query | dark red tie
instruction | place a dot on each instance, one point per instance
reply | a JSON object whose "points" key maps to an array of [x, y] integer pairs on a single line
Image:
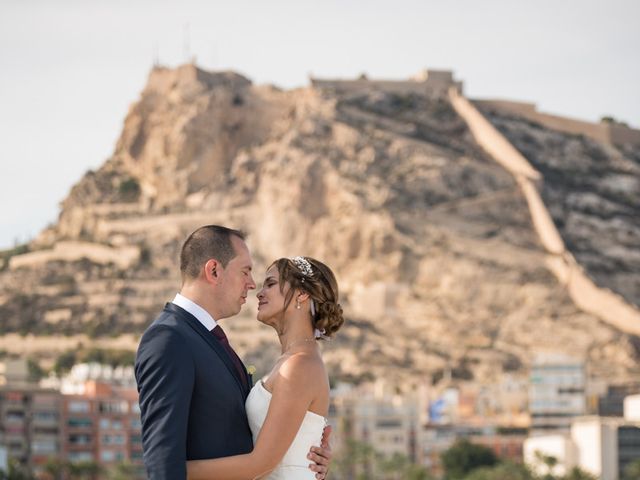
{"points": [[222, 338]]}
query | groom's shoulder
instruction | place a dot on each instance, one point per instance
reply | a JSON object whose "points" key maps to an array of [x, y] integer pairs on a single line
{"points": [[171, 316], [169, 321], [168, 332]]}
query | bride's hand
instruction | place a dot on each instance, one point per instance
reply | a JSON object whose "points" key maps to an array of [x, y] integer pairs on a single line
{"points": [[321, 455]]}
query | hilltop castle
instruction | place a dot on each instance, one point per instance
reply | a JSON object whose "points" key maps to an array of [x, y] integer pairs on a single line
{"points": [[436, 83]]}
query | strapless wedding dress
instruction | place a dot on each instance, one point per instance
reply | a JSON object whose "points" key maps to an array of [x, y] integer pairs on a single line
{"points": [[295, 464]]}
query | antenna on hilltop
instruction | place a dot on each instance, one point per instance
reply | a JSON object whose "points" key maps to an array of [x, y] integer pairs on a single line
{"points": [[185, 46], [156, 55], [214, 56]]}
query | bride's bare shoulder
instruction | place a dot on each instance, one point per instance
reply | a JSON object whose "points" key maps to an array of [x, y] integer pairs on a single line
{"points": [[301, 368]]}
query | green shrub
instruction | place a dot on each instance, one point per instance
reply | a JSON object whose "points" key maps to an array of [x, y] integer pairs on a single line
{"points": [[129, 189]]}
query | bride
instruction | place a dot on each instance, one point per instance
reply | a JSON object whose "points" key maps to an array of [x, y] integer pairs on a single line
{"points": [[287, 409]]}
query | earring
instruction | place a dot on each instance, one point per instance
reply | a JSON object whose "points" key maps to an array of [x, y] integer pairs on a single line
{"points": [[297, 304]]}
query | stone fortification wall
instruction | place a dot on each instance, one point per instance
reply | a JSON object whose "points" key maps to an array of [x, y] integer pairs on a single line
{"points": [[603, 303], [622, 135], [436, 82], [358, 85], [601, 132]]}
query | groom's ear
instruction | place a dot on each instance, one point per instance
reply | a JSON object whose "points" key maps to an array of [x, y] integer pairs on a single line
{"points": [[211, 270]]}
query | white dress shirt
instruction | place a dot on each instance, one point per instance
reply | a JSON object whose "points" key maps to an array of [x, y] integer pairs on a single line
{"points": [[196, 310]]}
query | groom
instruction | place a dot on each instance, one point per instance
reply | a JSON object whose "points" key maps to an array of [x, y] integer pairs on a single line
{"points": [[192, 385]]}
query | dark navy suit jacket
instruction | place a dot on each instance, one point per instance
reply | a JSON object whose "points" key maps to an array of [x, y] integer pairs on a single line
{"points": [[191, 399]]}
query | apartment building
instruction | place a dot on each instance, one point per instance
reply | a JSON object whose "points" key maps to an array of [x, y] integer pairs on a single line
{"points": [[103, 425], [30, 425]]}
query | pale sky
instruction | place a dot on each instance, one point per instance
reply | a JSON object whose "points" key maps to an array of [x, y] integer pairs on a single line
{"points": [[69, 69]]}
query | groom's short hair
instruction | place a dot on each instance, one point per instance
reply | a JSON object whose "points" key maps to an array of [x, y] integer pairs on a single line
{"points": [[210, 241]]}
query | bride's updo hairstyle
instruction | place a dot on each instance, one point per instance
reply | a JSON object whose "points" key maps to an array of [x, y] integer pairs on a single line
{"points": [[316, 279]]}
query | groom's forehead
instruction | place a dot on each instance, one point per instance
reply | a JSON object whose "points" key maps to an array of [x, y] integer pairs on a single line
{"points": [[240, 248]]}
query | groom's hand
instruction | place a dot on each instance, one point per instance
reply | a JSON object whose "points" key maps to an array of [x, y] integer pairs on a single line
{"points": [[321, 455]]}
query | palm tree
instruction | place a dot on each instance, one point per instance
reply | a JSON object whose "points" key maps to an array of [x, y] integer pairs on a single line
{"points": [[548, 461]]}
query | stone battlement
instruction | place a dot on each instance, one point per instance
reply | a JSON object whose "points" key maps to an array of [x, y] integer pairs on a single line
{"points": [[431, 82], [613, 133]]}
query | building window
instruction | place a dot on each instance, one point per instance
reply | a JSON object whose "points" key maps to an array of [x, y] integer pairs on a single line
{"points": [[107, 455], [80, 457], [14, 416], [44, 446], [113, 407], [78, 406], [45, 416], [136, 455], [79, 422], [113, 439], [79, 439]]}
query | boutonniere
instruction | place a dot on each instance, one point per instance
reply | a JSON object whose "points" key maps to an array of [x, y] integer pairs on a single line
{"points": [[251, 369]]}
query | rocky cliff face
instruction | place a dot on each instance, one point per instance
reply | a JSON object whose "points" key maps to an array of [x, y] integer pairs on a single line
{"points": [[431, 240]]}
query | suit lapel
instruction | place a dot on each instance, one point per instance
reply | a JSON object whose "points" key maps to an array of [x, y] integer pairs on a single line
{"points": [[208, 337]]}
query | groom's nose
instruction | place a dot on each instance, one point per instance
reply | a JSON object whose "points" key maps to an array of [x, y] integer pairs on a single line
{"points": [[251, 284]]}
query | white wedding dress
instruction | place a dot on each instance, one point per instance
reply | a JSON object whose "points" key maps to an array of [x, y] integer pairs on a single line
{"points": [[295, 464]]}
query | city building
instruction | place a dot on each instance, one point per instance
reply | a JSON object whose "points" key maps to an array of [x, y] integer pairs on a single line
{"points": [[14, 371], [611, 403], [4, 460], [30, 425], [420, 425], [631, 408], [556, 392], [98, 422], [375, 416], [102, 425], [606, 445], [602, 446], [76, 381]]}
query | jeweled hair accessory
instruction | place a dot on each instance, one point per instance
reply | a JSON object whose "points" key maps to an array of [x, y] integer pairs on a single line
{"points": [[303, 265], [320, 334], [305, 268]]}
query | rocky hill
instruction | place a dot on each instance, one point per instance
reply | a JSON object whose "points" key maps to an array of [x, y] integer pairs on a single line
{"points": [[432, 240]]}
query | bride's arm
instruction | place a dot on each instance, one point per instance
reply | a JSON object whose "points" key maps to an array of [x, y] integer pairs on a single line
{"points": [[294, 389]]}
